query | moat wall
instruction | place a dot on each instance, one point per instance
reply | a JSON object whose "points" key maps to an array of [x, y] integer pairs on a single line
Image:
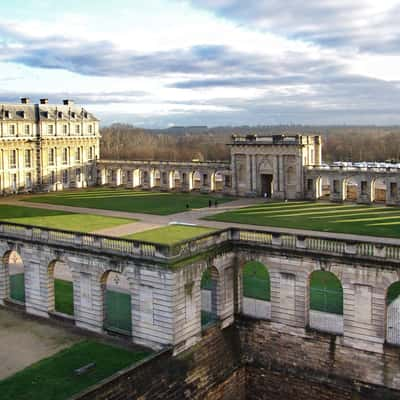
{"points": [[211, 370], [287, 364], [259, 360]]}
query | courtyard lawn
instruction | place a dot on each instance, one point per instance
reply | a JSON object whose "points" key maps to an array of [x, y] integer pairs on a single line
{"points": [[58, 219], [54, 379], [171, 234], [326, 217], [128, 200]]}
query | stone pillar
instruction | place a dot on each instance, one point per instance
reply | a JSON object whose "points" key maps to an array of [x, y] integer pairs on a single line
{"points": [[254, 174], [337, 188], [249, 175], [118, 177], [318, 150], [88, 300], [365, 190], [234, 188], [36, 283]]}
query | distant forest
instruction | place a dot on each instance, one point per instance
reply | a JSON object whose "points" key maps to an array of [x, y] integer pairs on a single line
{"points": [[344, 143]]}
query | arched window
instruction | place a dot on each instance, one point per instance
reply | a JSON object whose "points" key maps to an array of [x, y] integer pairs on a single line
{"points": [[61, 289], [209, 296], [16, 273], [326, 302], [117, 303], [256, 290], [393, 314]]}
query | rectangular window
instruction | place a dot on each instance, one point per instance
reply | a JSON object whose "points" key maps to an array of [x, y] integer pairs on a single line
{"points": [[52, 177], [27, 130], [11, 130], [51, 157], [50, 129], [309, 184], [77, 129], [363, 187], [28, 158], [335, 186], [90, 129], [65, 155], [13, 158], [78, 154], [393, 189], [78, 174], [65, 129], [65, 177], [90, 153]]}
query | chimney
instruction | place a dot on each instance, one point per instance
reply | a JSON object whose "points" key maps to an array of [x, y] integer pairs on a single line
{"points": [[25, 100], [68, 102], [44, 101]]}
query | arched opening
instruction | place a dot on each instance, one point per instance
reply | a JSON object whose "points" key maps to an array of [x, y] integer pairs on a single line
{"points": [[136, 178], [209, 296], [16, 273], [61, 288], [351, 189], [380, 190], [116, 303], [155, 178], [326, 302], [325, 186], [194, 180], [393, 314], [174, 180], [217, 182], [256, 289]]}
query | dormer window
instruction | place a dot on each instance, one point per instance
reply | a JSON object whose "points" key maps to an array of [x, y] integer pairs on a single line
{"points": [[73, 115], [8, 114], [60, 114], [23, 115], [11, 129], [46, 114], [85, 114]]}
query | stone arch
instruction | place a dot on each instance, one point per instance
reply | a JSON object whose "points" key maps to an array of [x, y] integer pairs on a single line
{"points": [[117, 302], [155, 178], [256, 290], [325, 302], [194, 180], [14, 283], [380, 189], [60, 288], [351, 188], [174, 179], [137, 179], [217, 181], [393, 313], [210, 296]]}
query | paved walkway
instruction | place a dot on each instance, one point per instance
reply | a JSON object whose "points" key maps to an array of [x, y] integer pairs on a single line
{"points": [[150, 221]]}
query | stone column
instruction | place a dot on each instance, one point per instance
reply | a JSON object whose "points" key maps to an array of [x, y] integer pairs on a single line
{"points": [[366, 190], [254, 174], [118, 177]]}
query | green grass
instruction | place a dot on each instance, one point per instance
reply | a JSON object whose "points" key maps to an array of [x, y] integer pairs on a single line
{"points": [[53, 378], [326, 217], [64, 296], [118, 311], [128, 200], [393, 292], [17, 287], [326, 293], [171, 234], [58, 219], [256, 282]]}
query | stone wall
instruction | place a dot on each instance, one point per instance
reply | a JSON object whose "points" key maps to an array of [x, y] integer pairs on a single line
{"points": [[283, 363], [210, 370]]}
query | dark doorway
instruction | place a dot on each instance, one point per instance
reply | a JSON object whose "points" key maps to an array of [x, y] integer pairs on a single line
{"points": [[266, 185]]}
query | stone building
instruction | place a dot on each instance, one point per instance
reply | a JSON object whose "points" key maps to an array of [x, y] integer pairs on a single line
{"points": [[47, 147], [272, 166]]}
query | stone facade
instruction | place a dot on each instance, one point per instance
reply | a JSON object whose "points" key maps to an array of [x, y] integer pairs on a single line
{"points": [[47, 147], [272, 166]]}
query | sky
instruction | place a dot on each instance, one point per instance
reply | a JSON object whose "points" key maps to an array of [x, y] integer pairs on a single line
{"points": [[159, 63]]}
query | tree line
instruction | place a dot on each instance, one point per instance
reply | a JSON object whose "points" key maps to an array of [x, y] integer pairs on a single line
{"points": [[352, 143]]}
